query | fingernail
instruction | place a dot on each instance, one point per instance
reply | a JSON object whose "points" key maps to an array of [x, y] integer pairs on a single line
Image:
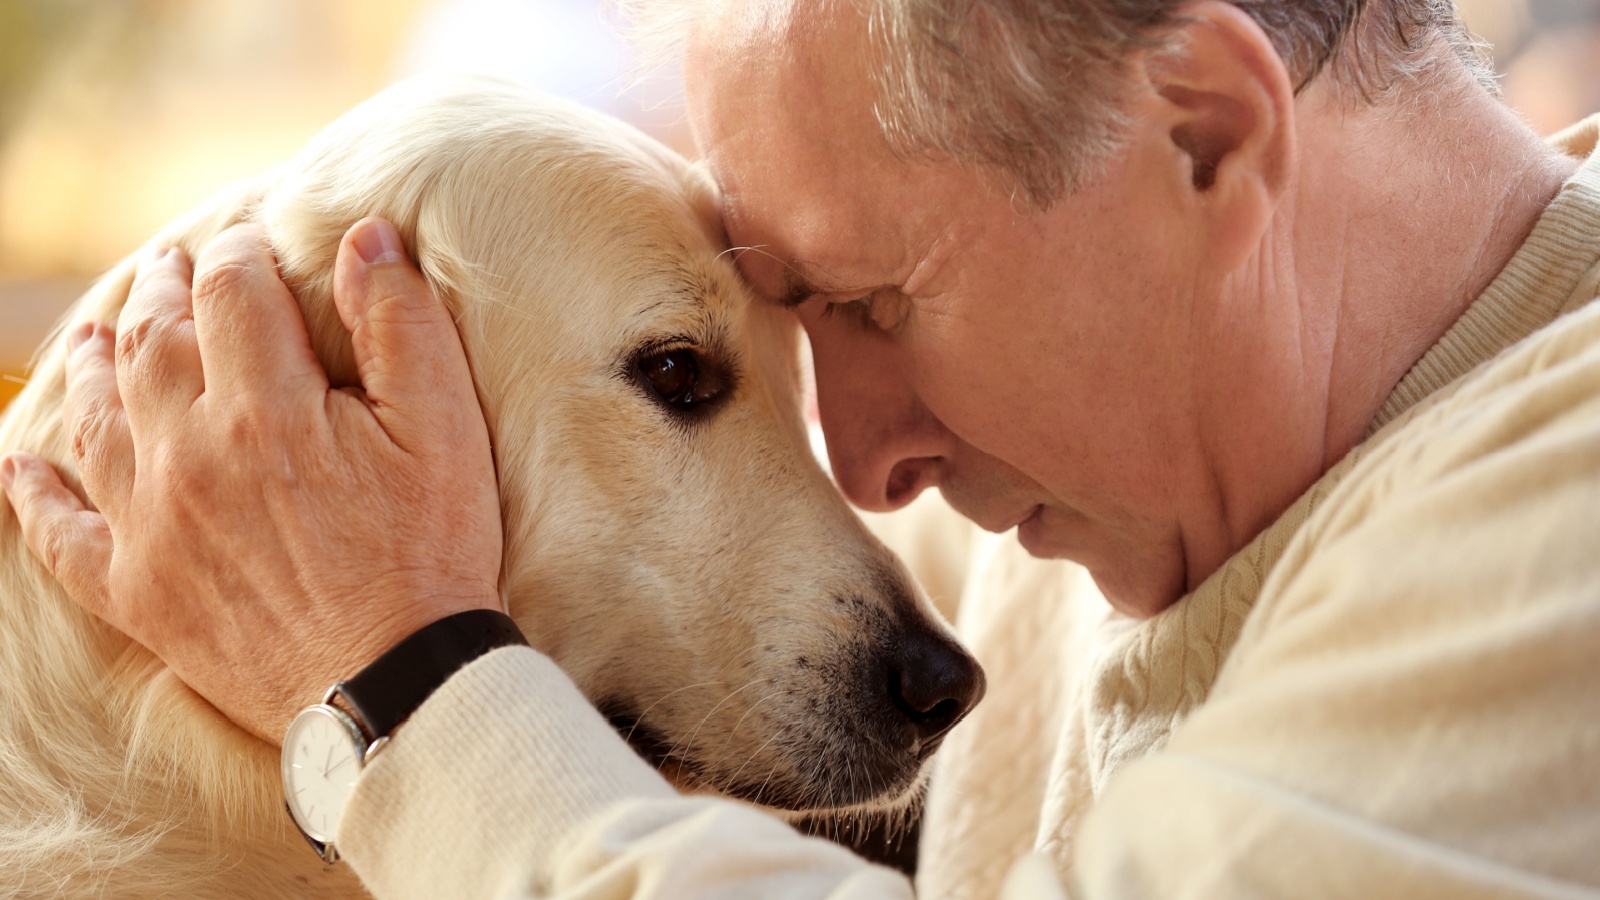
{"points": [[8, 472], [378, 242], [78, 335]]}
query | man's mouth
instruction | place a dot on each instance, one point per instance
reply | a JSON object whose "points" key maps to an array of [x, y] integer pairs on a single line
{"points": [[1022, 518]]}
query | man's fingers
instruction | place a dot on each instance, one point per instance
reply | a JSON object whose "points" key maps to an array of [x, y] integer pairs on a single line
{"points": [[95, 421], [74, 543], [252, 337], [158, 366], [407, 349]]}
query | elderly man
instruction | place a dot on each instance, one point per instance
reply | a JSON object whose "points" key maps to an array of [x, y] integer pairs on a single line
{"points": [[1266, 313]]}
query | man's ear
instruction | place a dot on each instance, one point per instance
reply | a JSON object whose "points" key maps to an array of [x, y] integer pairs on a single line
{"points": [[1228, 108]]}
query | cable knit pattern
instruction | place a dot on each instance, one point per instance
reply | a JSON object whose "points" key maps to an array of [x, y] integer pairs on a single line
{"points": [[1145, 681], [994, 768], [1160, 671]]}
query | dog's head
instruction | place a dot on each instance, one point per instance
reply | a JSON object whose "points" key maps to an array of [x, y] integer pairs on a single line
{"points": [[670, 541]]}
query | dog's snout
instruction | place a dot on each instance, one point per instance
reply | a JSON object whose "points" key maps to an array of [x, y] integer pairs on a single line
{"points": [[933, 683]]}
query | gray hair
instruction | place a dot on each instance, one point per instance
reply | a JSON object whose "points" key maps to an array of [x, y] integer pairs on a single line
{"points": [[1033, 90]]}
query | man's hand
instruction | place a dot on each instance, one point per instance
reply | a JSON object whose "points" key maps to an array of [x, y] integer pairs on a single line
{"points": [[264, 535]]}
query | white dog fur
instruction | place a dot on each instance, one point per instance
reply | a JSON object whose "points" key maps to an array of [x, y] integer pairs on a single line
{"points": [[702, 578]]}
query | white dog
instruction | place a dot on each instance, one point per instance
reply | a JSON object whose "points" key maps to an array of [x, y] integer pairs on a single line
{"points": [[669, 539]]}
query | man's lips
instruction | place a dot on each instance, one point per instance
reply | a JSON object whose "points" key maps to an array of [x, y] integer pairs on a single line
{"points": [[1020, 518]]}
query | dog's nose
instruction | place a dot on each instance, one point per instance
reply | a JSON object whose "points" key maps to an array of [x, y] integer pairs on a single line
{"points": [[933, 683]]}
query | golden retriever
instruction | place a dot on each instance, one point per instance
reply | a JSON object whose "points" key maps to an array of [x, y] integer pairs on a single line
{"points": [[670, 540]]}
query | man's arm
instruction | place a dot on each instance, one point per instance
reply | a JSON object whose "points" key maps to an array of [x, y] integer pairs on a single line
{"points": [[507, 783]]}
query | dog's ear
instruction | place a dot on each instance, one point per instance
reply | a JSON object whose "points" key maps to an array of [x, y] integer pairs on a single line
{"points": [[306, 215], [306, 238], [374, 161]]}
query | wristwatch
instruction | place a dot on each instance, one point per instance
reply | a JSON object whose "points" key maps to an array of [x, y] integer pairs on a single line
{"points": [[326, 747]]}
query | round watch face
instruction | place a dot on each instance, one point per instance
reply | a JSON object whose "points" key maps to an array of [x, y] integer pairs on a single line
{"points": [[321, 759]]}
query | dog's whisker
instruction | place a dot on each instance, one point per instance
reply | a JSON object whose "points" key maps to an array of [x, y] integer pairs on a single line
{"points": [[760, 248], [753, 706], [734, 779], [763, 789], [688, 742], [720, 753], [640, 718]]}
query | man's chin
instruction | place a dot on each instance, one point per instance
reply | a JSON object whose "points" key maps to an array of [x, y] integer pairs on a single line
{"points": [[1135, 597], [1041, 540], [1032, 538], [1136, 590]]}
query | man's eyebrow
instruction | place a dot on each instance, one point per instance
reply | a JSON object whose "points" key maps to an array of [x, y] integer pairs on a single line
{"points": [[795, 292], [797, 286]]}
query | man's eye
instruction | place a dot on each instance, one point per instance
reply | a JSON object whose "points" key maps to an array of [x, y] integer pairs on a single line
{"points": [[856, 312]]}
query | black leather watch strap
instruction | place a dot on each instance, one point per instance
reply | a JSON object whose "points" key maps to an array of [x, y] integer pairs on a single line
{"points": [[384, 693]]}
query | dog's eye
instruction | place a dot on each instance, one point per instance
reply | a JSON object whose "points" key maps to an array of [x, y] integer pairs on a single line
{"points": [[675, 377]]}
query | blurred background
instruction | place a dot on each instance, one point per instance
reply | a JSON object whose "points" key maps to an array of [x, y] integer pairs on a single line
{"points": [[118, 115]]}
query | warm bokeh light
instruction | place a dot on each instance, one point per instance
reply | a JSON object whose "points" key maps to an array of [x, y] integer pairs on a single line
{"points": [[117, 116]]}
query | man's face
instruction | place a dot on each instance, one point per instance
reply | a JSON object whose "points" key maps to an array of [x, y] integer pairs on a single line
{"points": [[1035, 367]]}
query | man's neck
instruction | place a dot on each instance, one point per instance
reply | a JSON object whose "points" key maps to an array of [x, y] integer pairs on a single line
{"points": [[1449, 191], [1396, 221]]}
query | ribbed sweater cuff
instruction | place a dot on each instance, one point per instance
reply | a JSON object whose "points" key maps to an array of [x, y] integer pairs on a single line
{"points": [[486, 781]]}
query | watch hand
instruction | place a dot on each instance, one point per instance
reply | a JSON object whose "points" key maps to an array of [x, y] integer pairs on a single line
{"points": [[326, 762], [336, 768]]}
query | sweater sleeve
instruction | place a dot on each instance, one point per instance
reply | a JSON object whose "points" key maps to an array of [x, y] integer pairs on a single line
{"points": [[506, 783], [1413, 709]]}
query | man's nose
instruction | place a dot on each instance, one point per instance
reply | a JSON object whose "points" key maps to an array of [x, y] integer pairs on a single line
{"points": [[884, 445]]}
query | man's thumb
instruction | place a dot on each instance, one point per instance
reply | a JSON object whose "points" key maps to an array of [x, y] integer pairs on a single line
{"points": [[407, 349]]}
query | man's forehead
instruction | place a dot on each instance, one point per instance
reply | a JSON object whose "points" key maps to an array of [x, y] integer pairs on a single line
{"points": [[785, 231], [759, 38], [790, 139], [739, 26]]}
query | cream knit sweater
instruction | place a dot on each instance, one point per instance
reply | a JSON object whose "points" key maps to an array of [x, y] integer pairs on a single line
{"points": [[1393, 691]]}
